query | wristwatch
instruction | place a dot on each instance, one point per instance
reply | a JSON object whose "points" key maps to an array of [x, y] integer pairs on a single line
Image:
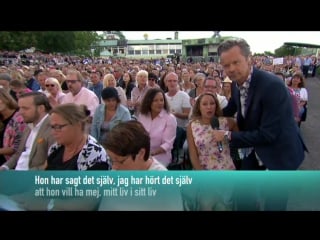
{"points": [[227, 135], [50, 205]]}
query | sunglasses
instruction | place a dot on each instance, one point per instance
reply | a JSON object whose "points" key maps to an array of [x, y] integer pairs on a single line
{"points": [[50, 85]]}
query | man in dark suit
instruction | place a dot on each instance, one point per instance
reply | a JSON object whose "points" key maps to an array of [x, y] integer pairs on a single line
{"points": [[268, 136]]}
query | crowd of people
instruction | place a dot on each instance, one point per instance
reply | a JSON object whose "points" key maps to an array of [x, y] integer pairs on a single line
{"points": [[62, 114]]}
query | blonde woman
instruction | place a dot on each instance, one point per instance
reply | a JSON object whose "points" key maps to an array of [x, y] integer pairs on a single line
{"points": [[139, 91], [195, 92], [58, 74], [187, 85], [110, 81], [54, 91], [74, 149]]}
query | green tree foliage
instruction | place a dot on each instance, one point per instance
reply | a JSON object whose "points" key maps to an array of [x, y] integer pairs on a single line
{"points": [[120, 34], [56, 41], [286, 50], [49, 41], [268, 53], [84, 40], [16, 40]]}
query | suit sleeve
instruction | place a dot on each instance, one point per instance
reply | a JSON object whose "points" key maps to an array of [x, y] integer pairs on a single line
{"points": [[268, 119], [230, 109]]}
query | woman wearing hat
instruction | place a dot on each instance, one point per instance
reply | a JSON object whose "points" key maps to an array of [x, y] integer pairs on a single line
{"points": [[108, 114], [226, 88]]}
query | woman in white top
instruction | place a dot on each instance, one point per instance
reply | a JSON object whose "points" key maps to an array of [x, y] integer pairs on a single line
{"points": [[298, 86]]}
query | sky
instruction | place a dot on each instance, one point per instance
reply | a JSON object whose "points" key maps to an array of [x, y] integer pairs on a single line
{"points": [[259, 41]]}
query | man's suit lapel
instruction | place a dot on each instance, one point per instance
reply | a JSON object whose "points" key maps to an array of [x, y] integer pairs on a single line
{"points": [[39, 138], [251, 92], [236, 95]]}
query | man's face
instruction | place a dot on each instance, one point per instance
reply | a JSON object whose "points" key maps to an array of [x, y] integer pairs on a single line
{"points": [[236, 66], [210, 86], [95, 78], [74, 85], [4, 84], [28, 109]]}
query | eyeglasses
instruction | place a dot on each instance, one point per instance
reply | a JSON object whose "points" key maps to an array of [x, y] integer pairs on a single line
{"points": [[50, 85], [172, 80], [71, 81], [58, 127], [210, 86], [121, 161]]}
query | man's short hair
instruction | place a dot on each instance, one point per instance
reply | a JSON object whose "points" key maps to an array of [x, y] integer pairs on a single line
{"points": [[5, 76]]}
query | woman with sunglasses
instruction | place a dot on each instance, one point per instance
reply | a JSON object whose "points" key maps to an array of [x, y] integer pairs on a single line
{"points": [[54, 91]]}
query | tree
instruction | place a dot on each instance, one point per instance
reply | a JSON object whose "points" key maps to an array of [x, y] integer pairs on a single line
{"points": [[120, 35], [56, 41], [267, 53], [286, 50], [16, 40], [49, 41], [84, 41]]}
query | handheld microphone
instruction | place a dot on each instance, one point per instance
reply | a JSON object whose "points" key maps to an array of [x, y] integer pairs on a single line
{"points": [[215, 125]]}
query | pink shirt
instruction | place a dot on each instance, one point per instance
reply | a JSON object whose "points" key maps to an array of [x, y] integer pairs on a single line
{"points": [[162, 130], [84, 96]]}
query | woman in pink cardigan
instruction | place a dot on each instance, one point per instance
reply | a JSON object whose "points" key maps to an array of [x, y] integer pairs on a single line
{"points": [[156, 118]]}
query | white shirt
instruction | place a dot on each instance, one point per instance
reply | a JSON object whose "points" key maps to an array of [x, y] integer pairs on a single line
{"points": [[177, 103], [157, 166], [23, 161], [223, 101]]}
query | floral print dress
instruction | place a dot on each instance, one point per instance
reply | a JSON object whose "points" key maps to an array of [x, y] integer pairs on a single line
{"points": [[209, 156]]}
